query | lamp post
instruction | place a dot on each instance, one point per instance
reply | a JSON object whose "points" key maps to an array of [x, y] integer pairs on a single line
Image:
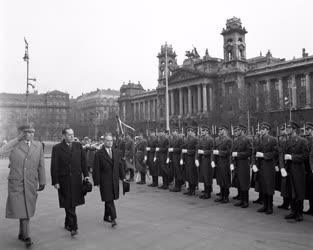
{"points": [[166, 91], [26, 59]]}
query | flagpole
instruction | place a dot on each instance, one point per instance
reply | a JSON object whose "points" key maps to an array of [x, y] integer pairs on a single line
{"points": [[166, 90]]}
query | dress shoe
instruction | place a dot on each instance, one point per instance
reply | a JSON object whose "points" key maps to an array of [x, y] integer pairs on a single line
{"points": [[28, 242], [113, 223], [269, 211], [165, 187], [238, 204], [245, 204], [130, 180], [225, 200], [175, 189], [152, 185], [141, 182], [237, 197], [290, 216], [219, 194], [283, 206], [74, 232], [21, 237], [262, 210], [190, 193], [299, 217], [67, 228], [205, 196], [218, 199], [107, 219], [309, 212]]}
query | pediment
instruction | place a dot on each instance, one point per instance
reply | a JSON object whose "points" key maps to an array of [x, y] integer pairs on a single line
{"points": [[184, 75]]}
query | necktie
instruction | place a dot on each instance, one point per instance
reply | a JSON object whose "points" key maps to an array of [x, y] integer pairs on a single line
{"points": [[110, 152]]}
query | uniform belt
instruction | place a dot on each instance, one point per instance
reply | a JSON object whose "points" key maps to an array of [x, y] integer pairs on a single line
{"points": [[176, 150], [163, 150], [191, 151], [205, 152], [139, 151]]}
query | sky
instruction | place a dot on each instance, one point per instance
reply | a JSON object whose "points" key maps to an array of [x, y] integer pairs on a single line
{"points": [[77, 46]]}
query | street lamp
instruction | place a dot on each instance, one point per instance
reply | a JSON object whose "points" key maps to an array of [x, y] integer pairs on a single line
{"points": [[26, 59], [166, 91]]}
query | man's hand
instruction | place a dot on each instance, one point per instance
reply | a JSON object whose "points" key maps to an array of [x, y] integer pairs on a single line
{"points": [[197, 163], [86, 178], [259, 154], [157, 149], [232, 167], [255, 168], [276, 168], [234, 154], [213, 164], [283, 172], [184, 151], [170, 150], [200, 152], [41, 187], [288, 157], [57, 186], [181, 162], [216, 152]]}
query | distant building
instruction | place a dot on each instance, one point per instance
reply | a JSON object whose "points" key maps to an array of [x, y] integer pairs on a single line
{"points": [[229, 90], [48, 112], [94, 113]]}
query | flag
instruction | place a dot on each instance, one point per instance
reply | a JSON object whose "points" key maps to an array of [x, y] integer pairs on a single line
{"points": [[120, 124]]}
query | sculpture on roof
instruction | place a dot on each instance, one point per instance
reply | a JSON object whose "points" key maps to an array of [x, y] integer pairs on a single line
{"points": [[193, 54]]}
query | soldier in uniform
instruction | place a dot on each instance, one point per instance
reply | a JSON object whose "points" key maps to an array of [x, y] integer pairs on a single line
{"points": [[129, 157], [189, 153], [203, 161], [140, 152], [221, 159], [295, 153], [309, 168], [149, 158], [176, 143], [266, 153], [241, 152], [161, 156]]}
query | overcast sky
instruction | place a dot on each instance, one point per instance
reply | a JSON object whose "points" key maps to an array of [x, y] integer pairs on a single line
{"points": [[79, 45]]}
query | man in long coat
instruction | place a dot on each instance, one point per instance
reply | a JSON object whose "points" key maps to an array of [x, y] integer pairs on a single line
{"points": [[296, 151], [108, 169], [149, 158], [140, 164], [161, 158], [129, 157], [68, 166], [27, 171]]}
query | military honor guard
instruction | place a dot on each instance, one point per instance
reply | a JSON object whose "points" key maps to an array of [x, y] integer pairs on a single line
{"points": [[140, 152], [161, 157], [309, 168], [150, 157], [130, 157]]}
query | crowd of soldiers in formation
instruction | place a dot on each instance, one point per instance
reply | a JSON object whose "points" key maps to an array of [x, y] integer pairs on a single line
{"points": [[235, 159]]}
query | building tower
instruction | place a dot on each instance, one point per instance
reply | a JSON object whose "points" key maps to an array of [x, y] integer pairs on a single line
{"points": [[171, 60]]}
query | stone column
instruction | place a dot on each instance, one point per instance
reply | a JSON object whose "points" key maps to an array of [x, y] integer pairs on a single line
{"points": [[172, 102], [294, 91], [204, 97], [143, 110], [280, 93], [257, 95], [134, 116], [181, 109], [307, 90], [148, 111], [268, 90], [189, 101], [199, 98], [211, 98]]}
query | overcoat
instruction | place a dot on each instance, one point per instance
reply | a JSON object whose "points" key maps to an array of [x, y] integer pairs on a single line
{"points": [[27, 170], [189, 159], [176, 143], [151, 145], [242, 145], [298, 148], [107, 172], [68, 166], [129, 154], [140, 152], [163, 143], [308, 170]]}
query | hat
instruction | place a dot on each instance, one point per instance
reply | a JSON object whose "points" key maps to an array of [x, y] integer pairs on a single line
{"points": [[126, 187], [266, 125], [175, 130], [223, 126], [242, 127], [293, 125], [204, 128], [190, 129], [27, 128], [308, 125], [283, 126]]}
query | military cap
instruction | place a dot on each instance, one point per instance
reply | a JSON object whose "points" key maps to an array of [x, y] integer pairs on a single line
{"points": [[223, 126], [283, 126], [27, 128], [309, 125], [266, 125], [175, 129], [204, 128], [191, 129], [293, 125]]}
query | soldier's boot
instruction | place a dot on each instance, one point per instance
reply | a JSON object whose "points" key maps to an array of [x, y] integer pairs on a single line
{"points": [[269, 204], [221, 196], [241, 200], [154, 181], [245, 203], [177, 187], [293, 212], [299, 207], [310, 210], [207, 192], [237, 197], [131, 175], [259, 200], [285, 205], [142, 178], [165, 182], [192, 190], [226, 195], [264, 208]]}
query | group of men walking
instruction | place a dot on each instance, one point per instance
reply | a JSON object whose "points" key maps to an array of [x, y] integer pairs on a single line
{"points": [[235, 159]]}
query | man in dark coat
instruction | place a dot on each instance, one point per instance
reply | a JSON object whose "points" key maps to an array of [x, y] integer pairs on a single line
{"points": [[129, 157], [161, 157], [266, 153], [68, 166], [295, 153], [221, 159], [140, 164], [149, 158], [108, 169], [203, 160], [241, 152]]}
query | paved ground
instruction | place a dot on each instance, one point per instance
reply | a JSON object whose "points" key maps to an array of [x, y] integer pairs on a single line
{"points": [[156, 219]]}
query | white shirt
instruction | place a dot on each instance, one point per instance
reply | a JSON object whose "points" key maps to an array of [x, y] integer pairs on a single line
{"points": [[109, 151]]}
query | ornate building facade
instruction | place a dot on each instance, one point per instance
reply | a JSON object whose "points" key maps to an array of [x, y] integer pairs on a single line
{"points": [[94, 113], [48, 112], [229, 90]]}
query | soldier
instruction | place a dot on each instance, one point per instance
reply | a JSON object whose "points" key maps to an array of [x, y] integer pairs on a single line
{"points": [[309, 168], [221, 159], [161, 156], [266, 152], [203, 161], [129, 157], [189, 153], [149, 158], [140, 152], [174, 150], [241, 152], [295, 153], [282, 138]]}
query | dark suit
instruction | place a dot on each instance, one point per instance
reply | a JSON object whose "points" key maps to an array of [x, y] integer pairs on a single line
{"points": [[106, 174], [68, 165]]}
